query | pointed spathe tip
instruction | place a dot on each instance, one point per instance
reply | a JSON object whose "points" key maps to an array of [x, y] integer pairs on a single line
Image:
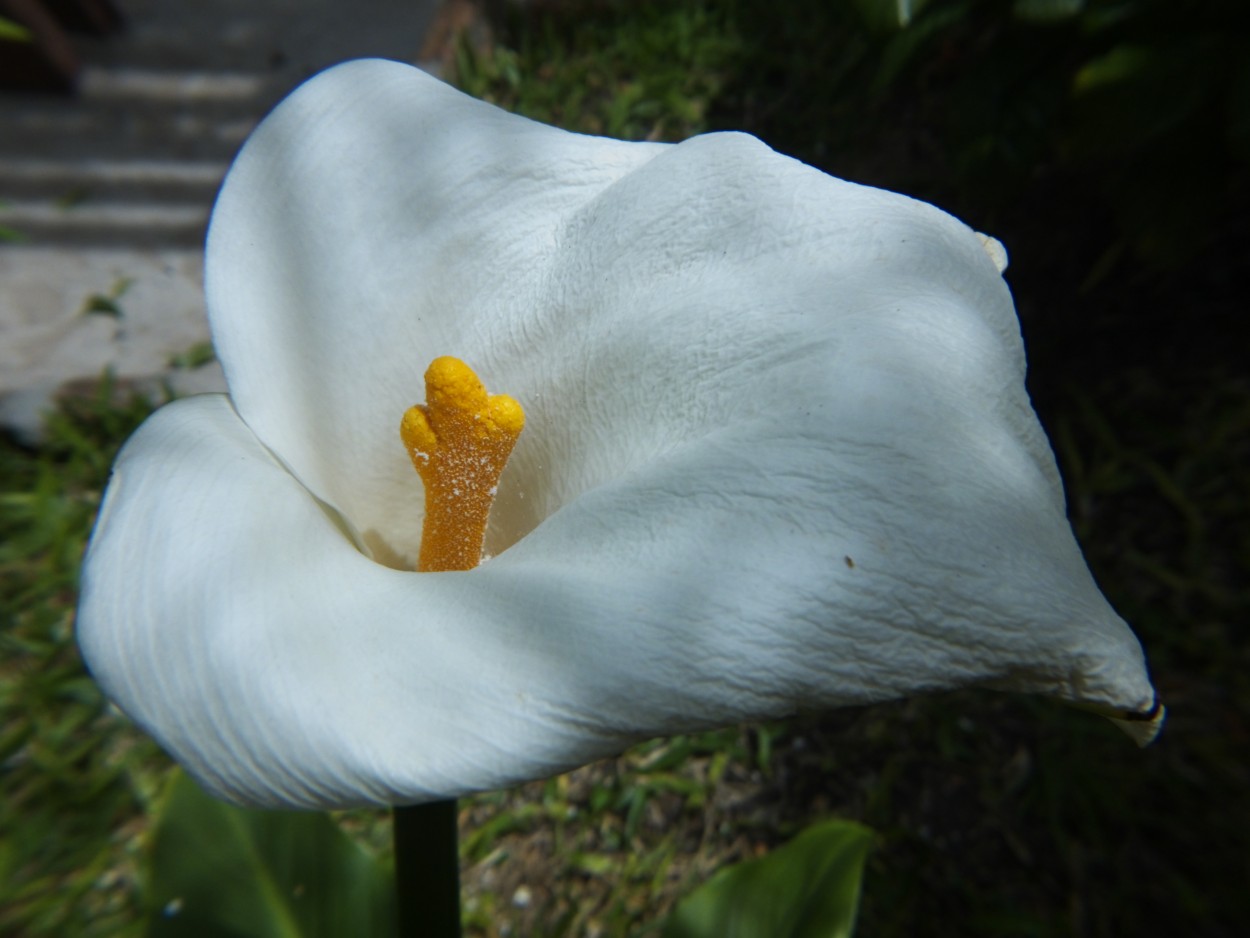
{"points": [[1142, 728]]}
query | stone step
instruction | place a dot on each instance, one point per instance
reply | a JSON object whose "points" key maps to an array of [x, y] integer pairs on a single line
{"points": [[74, 135], [134, 85], [138, 113], [106, 224], [71, 181], [185, 42], [148, 224], [110, 188]]}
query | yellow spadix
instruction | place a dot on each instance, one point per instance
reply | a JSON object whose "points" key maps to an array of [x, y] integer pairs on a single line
{"points": [[459, 441]]}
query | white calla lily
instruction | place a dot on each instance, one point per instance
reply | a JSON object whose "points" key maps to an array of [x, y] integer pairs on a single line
{"points": [[778, 456]]}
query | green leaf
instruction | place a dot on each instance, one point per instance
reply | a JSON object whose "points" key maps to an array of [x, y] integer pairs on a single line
{"points": [[7, 233], [906, 45], [198, 355], [1047, 11], [888, 15], [219, 871], [106, 303], [807, 889], [14, 32]]}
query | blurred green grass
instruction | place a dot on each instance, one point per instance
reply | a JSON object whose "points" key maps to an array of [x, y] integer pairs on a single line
{"points": [[997, 816], [76, 781]]}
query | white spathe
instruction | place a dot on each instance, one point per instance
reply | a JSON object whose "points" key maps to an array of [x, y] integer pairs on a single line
{"points": [[778, 456]]}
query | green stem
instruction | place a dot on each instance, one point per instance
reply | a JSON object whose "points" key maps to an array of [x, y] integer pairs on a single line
{"points": [[427, 870]]}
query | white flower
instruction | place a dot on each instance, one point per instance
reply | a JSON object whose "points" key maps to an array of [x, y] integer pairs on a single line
{"points": [[778, 456]]}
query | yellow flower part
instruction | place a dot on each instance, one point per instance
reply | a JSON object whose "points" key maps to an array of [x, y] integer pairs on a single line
{"points": [[459, 441]]}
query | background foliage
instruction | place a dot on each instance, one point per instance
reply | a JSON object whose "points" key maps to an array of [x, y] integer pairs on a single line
{"points": [[1106, 143]]}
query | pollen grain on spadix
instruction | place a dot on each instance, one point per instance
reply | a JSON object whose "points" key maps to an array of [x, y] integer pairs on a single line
{"points": [[459, 441]]}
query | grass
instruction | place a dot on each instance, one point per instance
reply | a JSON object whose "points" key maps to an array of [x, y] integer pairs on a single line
{"points": [[76, 780], [997, 816], [647, 72]]}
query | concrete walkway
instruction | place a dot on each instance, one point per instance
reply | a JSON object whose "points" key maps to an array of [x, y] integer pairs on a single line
{"points": [[108, 193]]}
